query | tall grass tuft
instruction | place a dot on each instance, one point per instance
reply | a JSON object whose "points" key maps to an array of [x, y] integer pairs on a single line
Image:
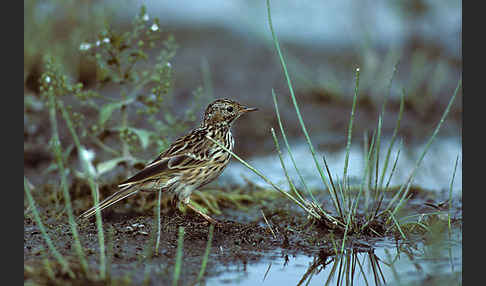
{"points": [[372, 186]]}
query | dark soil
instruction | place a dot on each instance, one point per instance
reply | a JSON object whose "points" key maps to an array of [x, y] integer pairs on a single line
{"points": [[132, 242], [242, 238]]}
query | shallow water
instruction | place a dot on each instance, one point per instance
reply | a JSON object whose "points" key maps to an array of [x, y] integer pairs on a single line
{"points": [[434, 173], [434, 262]]}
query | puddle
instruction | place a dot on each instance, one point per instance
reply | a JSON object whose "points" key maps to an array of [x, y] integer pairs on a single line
{"points": [[434, 173], [437, 262]]}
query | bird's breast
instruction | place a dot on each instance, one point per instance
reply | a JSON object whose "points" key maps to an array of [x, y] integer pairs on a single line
{"points": [[230, 141]]}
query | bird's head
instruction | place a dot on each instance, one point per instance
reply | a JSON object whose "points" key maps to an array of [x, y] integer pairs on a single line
{"points": [[224, 112]]}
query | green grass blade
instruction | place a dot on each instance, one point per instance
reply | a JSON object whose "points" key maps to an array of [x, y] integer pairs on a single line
{"points": [[380, 201], [393, 138], [350, 129], [157, 219], [450, 197], [99, 225], [336, 199], [206, 254], [394, 165], [388, 154], [294, 101], [382, 114], [398, 226], [93, 186], [286, 194], [179, 254], [56, 145], [289, 180], [427, 146], [287, 145], [45, 235], [377, 156]]}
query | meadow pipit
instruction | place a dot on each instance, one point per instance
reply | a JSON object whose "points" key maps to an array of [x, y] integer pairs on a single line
{"points": [[190, 162]]}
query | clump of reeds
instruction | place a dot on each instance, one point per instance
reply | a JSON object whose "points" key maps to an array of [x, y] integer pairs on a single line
{"points": [[348, 217]]}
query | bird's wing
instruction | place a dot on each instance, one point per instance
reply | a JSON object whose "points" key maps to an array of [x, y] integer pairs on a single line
{"points": [[190, 151], [165, 165], [194, 145]]}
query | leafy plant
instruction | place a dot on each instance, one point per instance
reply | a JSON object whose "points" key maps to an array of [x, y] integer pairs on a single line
{"points": [[123, 62]]}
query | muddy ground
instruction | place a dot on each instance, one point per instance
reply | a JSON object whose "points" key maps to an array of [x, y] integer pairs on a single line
{"points": [[243, 238]]}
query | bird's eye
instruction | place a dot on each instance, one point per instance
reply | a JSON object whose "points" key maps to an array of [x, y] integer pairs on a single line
{"points": [[230, 109]]}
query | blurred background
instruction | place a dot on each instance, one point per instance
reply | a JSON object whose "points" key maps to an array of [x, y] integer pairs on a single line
{"points": [[225, 48]]}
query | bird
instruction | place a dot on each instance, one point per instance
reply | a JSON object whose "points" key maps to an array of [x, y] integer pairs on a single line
{"points": [[189, 163]]}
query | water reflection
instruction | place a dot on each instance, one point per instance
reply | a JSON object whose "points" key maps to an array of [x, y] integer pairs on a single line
{"points": [[386, 263]]}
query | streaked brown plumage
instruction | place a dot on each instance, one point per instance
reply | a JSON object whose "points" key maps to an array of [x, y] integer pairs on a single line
{"points": [[190, 162]]}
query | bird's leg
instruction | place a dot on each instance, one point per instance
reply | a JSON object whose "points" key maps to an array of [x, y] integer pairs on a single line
{"points": [[205, 216]]}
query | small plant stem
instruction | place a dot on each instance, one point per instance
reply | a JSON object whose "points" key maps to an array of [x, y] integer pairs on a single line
{"points": [[377, 157], [372, 216], [294, 101], [94, 190], [450, 197], [47, 265], [398, 225], [56, 145], [395, 131], [179, 254], [427, 146], [380, 120], [105, 147], [52, 248], [289, 150], [352, 210], [336, 199], [268, 224], [124, 126], [291, 184], [287, 145], [206, 254], [387, 157], [99, 225], [350, 131], [394, 166], [289, 196], [157, 214]]}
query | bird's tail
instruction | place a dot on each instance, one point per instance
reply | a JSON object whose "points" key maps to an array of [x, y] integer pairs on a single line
{"points": [[114, 198]]}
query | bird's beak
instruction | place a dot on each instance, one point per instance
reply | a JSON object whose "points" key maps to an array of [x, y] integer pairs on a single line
{"points": [[248, 109]]}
